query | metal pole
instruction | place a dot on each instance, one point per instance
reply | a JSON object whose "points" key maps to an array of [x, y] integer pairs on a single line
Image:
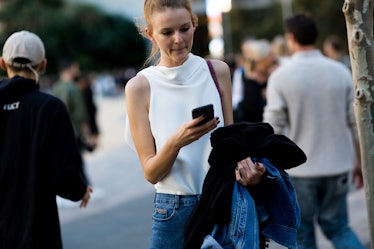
{"points": [[227, 33], [286, 8]]}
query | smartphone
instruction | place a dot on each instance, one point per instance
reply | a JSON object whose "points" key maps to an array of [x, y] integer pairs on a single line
{"points": [[206, 110]]}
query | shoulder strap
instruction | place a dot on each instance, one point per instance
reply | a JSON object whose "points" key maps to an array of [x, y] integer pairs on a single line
{"points": [[214, 76]]}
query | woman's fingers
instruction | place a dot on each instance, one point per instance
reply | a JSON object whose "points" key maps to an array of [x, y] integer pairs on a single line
{"points": [[249, 173]]}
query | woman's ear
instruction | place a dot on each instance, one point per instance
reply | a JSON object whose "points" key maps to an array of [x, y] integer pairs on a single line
{"points": [[148, 32]]}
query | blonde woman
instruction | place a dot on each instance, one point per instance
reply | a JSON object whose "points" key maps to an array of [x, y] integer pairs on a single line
{"points": [[173, 149]]}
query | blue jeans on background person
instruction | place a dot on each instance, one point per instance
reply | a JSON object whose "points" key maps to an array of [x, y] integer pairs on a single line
{"points": [[324, 200], [170, 215]]}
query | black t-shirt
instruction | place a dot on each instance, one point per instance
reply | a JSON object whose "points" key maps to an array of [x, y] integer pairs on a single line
{"points": [[251, 108]]}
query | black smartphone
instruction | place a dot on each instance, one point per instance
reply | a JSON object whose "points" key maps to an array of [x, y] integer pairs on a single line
{"points": [[206, 110]]}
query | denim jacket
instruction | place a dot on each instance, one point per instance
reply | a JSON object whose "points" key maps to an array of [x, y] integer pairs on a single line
{"points": [[242, 232], [277, 207]]}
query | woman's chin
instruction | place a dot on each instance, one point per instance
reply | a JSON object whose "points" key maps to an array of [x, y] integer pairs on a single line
{"points": [[180, 56]]}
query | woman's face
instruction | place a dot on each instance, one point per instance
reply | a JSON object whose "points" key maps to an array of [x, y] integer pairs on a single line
{"points": [[173, 33]]}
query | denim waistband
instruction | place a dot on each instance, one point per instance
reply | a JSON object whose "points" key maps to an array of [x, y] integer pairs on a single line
{"points": [[177, 200]]}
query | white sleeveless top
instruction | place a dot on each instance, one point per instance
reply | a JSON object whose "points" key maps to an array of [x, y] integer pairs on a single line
{"points": [[174, 93]]}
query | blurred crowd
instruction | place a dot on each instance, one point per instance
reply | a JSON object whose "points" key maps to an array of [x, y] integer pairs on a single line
{"points": [[258, 58]]}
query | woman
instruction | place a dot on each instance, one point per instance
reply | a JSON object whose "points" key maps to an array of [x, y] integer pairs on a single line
{"points": [[173, 150], [250, 80]]}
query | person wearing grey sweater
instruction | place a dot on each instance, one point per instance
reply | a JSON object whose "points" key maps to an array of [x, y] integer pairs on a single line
{"points": [[310, 99]]}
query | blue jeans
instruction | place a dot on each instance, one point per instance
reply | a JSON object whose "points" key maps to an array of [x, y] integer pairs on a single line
{"points": [[170, 215], [324, 201]]}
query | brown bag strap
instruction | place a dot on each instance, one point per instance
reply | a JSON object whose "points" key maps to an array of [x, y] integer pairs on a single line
{"points": [[214, 76]]}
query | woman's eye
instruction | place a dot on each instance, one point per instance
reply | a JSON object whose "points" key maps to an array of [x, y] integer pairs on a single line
{"points": [[184, 30], [167, 33]]}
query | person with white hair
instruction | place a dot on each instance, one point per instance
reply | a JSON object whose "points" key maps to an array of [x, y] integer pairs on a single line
{"points": [[249, 81]]}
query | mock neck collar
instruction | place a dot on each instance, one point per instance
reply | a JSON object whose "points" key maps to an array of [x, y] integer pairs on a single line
{"points": [[179, 74]]}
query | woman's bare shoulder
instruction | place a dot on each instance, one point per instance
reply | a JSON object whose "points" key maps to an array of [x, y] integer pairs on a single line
{"points": [[137, 84], [220, 67]]}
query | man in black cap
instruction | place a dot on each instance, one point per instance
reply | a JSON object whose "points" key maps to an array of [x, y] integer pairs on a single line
{"points": [[39, 156]]}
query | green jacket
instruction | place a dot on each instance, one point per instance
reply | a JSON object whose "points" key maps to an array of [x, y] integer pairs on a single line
{"points": [[69, 93]]}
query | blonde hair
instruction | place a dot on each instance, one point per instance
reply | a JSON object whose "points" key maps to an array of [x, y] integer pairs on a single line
{"points": [[150, 6], [279, 46]]}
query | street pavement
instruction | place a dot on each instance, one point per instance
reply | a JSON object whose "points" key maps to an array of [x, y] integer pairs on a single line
{"points": [[119, 214]]}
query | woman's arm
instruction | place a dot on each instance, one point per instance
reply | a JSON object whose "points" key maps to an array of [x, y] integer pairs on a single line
{"points": [[157, 165], [222, 71]]}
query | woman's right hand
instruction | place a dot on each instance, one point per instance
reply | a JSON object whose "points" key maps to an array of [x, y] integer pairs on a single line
{"points": [[190, 131]]}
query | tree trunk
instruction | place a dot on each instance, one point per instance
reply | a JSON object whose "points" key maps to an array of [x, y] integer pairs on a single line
{"points": [[359, 21]]}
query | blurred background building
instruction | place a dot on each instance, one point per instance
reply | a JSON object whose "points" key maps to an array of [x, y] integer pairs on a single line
{"points": [[215, 37], [102, 34], [133, 8]]}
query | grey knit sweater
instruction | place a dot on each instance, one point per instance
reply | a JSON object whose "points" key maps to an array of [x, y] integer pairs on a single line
{"points": [[310, 99]]}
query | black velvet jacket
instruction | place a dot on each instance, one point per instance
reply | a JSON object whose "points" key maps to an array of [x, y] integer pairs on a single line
{"points": [[232, 144]]}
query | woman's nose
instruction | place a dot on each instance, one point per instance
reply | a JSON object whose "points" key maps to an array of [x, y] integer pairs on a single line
{"points": [[178, 37]]}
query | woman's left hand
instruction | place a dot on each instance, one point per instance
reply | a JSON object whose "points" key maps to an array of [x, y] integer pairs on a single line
{"points": [[249, 173]]}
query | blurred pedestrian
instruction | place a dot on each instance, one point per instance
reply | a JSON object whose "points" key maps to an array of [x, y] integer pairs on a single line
{"points": [[250, 80], [172, 147], [310, 98], [39, 155], [334, 48], [68, 92], [84, 85], [279, 49]]}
